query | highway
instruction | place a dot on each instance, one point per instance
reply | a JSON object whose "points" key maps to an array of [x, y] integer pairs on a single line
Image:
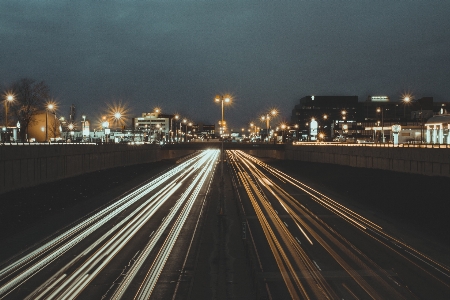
{"points": [[121, 250], [309, 246]]}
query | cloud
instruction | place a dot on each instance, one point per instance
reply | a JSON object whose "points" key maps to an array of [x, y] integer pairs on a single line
{"points": [[179, 54]]}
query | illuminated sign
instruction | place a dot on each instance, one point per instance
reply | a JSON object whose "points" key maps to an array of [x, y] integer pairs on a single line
{"points": [[313, 127], [379, 99], [86, 128], [396, 128]]}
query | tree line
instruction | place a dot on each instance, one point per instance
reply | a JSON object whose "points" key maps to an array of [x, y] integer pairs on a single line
{"points": [[29, 98]]}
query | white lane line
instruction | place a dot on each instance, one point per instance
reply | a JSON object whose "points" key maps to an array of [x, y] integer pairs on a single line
{"points": [[317, 265]]}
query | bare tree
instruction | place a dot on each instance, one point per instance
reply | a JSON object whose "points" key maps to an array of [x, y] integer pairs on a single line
{"points": [[30, 97]]}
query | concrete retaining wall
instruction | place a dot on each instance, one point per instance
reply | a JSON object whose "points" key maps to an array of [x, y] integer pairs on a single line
{"points": [[170, 154], [425, 161], [28, 165]]}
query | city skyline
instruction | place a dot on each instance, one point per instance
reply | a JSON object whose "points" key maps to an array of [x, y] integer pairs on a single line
{"points": [[179, 55]]}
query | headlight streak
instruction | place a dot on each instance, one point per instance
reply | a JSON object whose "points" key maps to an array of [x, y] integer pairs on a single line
{"points": [[109, 249], [147, 207], [155, 270], [116, 243], [274, 245], [44, 255], [281, 193], [159, 232], [328, 203], [315, 281]]}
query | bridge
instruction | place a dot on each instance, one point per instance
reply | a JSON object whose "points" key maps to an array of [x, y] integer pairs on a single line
{"points": [[23, 165]]}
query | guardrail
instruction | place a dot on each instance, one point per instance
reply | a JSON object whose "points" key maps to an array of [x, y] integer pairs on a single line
{"points": [[382, 145]]}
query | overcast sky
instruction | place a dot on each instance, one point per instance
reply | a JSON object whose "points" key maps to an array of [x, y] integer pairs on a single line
{"points": [[179, 54]]}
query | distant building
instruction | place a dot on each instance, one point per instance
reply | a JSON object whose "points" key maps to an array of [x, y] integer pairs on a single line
{"points": [[37, 129], [206, 131], [154, 125], [343, 117], [164, 127], [437, 129], [325, 110]]}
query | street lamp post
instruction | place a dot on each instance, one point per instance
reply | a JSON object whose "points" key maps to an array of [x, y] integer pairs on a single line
{"points": [[9, 98], [70, 127], [266, 118], [190, 125], [222, 99], [176, 131], [283, 127], [382, 122], [50, 106], [185, 125], [406, 100], [84, 125]]}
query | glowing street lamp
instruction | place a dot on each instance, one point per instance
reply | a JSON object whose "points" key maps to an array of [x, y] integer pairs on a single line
{"points": [[176, 117], [184, 121], [9, 98], [406, 100], [267, 118], [283, 127], [379, 109], [50, 107], [221, 99], [190, 125]]}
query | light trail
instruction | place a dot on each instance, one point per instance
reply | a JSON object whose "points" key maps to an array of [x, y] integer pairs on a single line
{"points": [[64, 285], [348, 215], [289, 248], [156, 268], [339, 249]]}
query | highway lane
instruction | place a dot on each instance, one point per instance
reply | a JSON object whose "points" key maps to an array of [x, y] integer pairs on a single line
{"points": [[314, 247], [120, 251]]}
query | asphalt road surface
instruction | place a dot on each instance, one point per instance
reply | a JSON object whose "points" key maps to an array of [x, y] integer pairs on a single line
{"points": [[120, 250], [180, 231], [311, 246]]}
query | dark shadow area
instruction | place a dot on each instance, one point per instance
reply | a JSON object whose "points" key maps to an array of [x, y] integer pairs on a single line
{"points": [[422, 201], [66, 200]]}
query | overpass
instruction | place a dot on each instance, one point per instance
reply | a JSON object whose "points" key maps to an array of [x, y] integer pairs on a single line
{"points": [[23, 165]]}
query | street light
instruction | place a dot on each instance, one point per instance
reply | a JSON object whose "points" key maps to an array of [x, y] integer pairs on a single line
{"points": [[83, 126], [51, 107], [9, 98], [222, 99], [406, 100], [70, 127], [105, 125], [184, 121], [190, 125], [283, 127], [379, 109], [266, 118], [176, 131]]}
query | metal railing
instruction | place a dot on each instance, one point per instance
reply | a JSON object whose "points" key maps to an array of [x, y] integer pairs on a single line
{"points": [[379, 145]]}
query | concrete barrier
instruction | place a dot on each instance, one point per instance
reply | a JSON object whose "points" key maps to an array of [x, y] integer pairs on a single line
{"points": [[32, 164]]}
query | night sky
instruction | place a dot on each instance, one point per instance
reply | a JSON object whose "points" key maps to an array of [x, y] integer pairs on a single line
{"points": [[179, 54]]}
